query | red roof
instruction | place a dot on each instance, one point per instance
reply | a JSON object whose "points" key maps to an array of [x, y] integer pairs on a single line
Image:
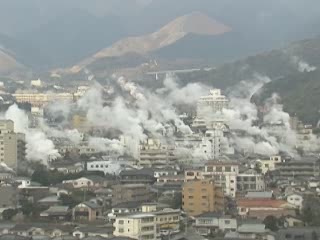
{"points": [[261, 203]]}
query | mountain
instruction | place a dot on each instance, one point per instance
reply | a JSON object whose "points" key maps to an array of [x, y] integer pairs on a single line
{"points": [[195, 23], [293, 71], [7, 63]]}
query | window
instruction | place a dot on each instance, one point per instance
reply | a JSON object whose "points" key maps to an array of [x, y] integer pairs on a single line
{"points": [[218, 169], [227, 222], [209, 169], [204, 197], [203, 190], [121, 222], [190, 173], [227, 169], [190, 197], [121, 230]]}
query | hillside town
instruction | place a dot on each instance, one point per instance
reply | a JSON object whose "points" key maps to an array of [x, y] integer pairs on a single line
{"points": [[200, 177]]}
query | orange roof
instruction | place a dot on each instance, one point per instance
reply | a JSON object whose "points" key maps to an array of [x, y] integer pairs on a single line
{"points": [[263, 203]]}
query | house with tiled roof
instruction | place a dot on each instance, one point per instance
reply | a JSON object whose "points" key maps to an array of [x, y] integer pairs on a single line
{"points": [[260, 208]]}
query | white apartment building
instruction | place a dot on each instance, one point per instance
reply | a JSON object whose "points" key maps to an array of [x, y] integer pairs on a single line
{"points": [[250, 181], [12, 145], [212, 103], [137, 226], [224, 174], [154, 153]]}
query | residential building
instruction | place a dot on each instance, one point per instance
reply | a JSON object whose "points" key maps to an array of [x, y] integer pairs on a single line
{"points": [[42, 99], [301, 233], [202, 196], [153, 153], [212, 103], [86, 211], [250, 181], [167, 219], [159, 172], [261, 208], [224, 173], [88, 182], [212, 222], [137, 226], [251, 231], [171, 179], [57, 213], [306, 168], [93, 232], [123, 193], [137, 176], [12, 145], [112, 167]]}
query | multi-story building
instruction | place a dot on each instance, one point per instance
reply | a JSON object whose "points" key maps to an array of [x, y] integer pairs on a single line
{"points": [[250, 181], [154, 153], [137, 226], [212, 103], [202, 196], [12, 145], [298, 169], [224, 173], [131, 193], [42, 99]]}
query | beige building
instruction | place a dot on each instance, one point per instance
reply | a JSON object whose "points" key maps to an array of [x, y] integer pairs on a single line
{"points": [[202, 196], [42, 99], [137, 226], [12, 145]]}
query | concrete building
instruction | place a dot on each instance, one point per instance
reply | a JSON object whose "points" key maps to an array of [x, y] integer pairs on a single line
{"points": [[202, 196], [212, 103], [296, 200], [298, 169], [224, 173], [212, 222], [42, 99], [136, 226], [250, 181], [154, 153], [12, 145]]}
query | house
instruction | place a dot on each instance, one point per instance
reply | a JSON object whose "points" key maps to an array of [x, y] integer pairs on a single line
{"points": [[87, 182], [67, 167], [251, 231], [250, 180], [104, 231], [167, 219], [112, 167], [49, 201], [260, 208], [301, 233], [211, 222], [57, 213], [136, 176], [86, 211], [295, 199], [41, 230], [266, 165]]}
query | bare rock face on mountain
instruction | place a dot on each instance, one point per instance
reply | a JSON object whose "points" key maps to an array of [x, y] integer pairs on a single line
{"points": [[195, 23]]}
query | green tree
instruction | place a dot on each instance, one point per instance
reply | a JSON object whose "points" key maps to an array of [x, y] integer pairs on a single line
{"points": [[8, 214], [271, 223]]}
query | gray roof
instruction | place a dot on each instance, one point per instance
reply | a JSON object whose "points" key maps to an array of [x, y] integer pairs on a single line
{"points": [[252, 228], [92, 205], [50, 199], [210, 215], [259, 195], [143, 171], [13, 237], [128, 205]]}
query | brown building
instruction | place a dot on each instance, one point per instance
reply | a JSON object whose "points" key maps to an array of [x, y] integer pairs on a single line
{"points": [[131, 193], [201, 196]]}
